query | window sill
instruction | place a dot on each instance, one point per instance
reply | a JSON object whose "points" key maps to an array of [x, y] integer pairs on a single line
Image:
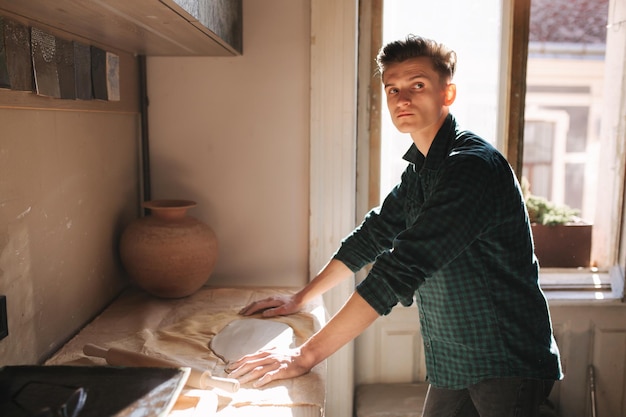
{"points": [[586, 285]]}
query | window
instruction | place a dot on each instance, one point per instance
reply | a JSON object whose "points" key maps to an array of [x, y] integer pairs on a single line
{"points": [[564, 104], [572, 129], [473, 30]]}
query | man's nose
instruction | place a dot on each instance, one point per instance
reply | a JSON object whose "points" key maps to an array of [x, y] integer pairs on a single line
{"points": [[403, 98]]}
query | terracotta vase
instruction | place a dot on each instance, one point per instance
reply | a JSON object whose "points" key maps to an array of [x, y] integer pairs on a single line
{"points": [[169, 254]]}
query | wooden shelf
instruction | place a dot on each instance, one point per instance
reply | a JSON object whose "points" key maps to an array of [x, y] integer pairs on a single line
{"points": [[143, 27]]}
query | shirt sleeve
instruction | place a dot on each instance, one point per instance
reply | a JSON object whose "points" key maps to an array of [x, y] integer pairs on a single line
{"points": [[453, 215], [376, 233]]}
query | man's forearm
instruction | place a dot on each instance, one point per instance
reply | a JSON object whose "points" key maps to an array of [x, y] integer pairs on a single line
{"points": [[349, 322], [332, 274]]}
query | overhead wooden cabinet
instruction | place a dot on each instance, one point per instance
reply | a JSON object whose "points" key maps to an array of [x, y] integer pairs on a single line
{"points": [[143, 27]]}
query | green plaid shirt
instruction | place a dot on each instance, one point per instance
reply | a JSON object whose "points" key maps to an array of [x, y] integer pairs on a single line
{"points": [[454, 235]]}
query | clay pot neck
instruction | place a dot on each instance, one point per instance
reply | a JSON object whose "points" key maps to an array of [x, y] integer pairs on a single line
{"points": [[169, 209]]}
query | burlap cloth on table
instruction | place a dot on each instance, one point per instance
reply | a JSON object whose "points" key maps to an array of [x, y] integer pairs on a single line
{"points": [[189, 340], [182, 333]]}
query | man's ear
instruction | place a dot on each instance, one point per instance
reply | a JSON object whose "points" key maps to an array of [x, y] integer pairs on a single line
{"points": [[450, 94]]}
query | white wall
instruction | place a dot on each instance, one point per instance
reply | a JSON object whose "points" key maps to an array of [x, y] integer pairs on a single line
{"points": [[233, 135]]}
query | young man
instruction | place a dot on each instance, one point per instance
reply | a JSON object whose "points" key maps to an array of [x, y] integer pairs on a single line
{"points": [[454, 235]]}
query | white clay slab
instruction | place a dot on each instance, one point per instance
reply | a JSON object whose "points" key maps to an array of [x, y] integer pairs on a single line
{"points": [[245, 336]]}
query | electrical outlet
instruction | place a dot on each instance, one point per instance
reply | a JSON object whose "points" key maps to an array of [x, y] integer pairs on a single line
{"points": [[4, 328]]}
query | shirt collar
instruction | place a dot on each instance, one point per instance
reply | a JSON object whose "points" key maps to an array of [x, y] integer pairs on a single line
{"points": [[438, 149]]}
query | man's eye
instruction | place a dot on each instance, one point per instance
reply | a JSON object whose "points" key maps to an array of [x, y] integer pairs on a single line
{"points": [[419, 86], [392, 91]]}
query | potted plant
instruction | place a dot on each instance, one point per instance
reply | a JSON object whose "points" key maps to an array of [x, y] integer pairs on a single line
{"points": [[562, 239]]}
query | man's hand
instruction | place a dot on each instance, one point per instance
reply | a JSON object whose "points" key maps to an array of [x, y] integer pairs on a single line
{"points": [[273, 306], [270, 365], [333, 273]]}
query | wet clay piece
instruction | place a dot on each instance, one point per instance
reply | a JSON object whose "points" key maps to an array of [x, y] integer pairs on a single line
{"points": [[243, 337]]}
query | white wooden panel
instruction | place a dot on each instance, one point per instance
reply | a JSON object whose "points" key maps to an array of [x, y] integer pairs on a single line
{"points": [[591, 333], [397, 361], [610, 370], [391, 350], [574, 337], [333, 165], [587, 333]]}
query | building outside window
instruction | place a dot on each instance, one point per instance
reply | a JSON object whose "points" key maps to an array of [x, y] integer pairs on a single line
{"points": [[564, 100]]}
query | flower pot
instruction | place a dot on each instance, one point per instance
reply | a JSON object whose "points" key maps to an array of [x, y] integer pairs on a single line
{"points": [[563, 245], [169, 254]]}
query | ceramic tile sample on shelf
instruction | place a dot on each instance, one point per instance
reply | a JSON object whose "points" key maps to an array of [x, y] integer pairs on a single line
{"points": [[113, 76], [105, 74], [65, 68], [43, 49], [82, 71], [17, 50], [4, 70]]}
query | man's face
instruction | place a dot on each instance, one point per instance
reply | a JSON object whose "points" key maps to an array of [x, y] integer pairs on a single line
{"points": [[416, 97]]}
